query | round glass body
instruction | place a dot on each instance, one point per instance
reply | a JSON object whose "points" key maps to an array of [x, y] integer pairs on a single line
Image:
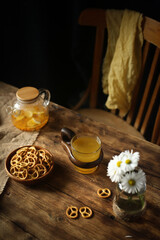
{"points": [[86, 149], [129, 206]]}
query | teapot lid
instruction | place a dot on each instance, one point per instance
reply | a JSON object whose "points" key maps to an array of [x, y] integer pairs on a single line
{"points": [[27, 94]]}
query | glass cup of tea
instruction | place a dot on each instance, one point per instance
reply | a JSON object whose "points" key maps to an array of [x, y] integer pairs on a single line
{"points": [[84, 151]]}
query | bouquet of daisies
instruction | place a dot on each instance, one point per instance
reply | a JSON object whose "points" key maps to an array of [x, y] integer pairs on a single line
{"points": [[123, 169]]}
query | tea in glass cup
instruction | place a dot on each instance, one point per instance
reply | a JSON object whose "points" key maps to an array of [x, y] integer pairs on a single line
{"points": [[84, 151]]}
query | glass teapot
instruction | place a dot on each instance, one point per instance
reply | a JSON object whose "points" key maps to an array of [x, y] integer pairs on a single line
{"points": [[30, 110]]}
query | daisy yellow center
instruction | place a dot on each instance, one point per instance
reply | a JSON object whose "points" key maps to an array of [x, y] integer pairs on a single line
{"points": [[119, 163], [128, 161], [131, 182]]}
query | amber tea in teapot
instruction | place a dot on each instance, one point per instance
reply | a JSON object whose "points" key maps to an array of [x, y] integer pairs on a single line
{"points": [[30, 111]]}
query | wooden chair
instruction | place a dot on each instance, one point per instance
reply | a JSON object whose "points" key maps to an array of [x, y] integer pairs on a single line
{"points": [[143, 119]]}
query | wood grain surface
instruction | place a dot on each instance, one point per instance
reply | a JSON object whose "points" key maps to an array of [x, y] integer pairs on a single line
{"points": [[38, 212]]}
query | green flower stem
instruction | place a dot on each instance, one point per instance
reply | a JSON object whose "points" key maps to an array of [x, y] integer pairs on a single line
{"points": [[130, 198]]}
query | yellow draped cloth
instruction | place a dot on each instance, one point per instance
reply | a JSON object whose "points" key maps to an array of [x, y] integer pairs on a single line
{"points": [[122, 62]]}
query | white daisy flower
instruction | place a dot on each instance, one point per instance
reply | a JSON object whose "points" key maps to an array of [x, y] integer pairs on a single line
{"points": [[114, 170], [129, 160], [133, 182]]}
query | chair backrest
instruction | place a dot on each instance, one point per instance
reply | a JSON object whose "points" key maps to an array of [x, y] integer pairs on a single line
{"points": [[145, 109]]}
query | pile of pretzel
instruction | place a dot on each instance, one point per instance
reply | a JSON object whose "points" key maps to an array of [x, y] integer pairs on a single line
{"points": [[30, 163]]}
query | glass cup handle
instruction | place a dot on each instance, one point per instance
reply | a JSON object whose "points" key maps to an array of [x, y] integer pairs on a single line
{"points": [[45, 95], [66, 135]]}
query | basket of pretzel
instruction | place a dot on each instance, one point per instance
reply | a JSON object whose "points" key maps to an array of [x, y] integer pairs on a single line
{"points": [[29, 164]]}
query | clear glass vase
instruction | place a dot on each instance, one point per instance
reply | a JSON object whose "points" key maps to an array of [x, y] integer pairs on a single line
{"points": [[127, 206]]}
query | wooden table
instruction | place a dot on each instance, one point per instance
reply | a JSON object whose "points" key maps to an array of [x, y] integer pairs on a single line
{"points": [[38, 212]]}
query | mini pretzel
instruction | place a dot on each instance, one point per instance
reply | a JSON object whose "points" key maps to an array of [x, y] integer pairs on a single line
{"points": [[33, 173], [32, 150], [32, 155], [104, 192], [19, 172], [39, 161], [15, 160], [42, 153], [86, 212], [22, 151], [72, 212], [30, 161], [41, 169], [23, 164], [46, 164], [23, 174], [14, 170]]}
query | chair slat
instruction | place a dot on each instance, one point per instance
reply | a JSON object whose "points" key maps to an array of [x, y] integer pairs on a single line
{"points": [[147, 89], [96, 18], [156, 129], [150, 107], [151, 31], [96, 66]]}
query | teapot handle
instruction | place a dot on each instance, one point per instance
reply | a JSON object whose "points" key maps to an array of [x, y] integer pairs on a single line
{"points": [[9, 110], [46, 96]]}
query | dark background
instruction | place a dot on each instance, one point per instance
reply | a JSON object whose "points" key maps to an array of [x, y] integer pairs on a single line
{"points": [[43, 46]]}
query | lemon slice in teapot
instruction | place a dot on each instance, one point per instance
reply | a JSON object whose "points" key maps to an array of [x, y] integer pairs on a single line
{"points": [[38, 112], [32, 122], [20, 117], [28, 114]]}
